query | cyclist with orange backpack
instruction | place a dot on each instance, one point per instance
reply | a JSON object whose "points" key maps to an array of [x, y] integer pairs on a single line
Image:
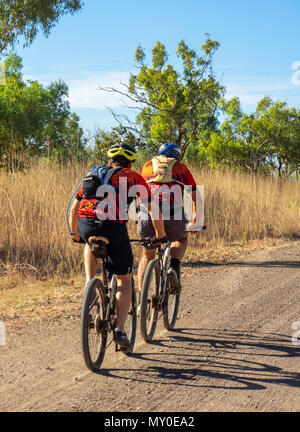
{"points": [[167, 176]]}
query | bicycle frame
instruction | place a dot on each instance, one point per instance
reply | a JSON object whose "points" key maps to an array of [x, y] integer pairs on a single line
{"points": [[163, 253]]}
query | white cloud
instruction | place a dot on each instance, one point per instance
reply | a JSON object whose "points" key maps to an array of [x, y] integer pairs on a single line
{"points": [[296, 75], [85, 93], [84, 89], [84, 86], [252, 89]]}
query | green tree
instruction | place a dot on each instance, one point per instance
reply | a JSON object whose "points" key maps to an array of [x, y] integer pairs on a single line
{"points": [[56, 112], [103, 140], [74, 140], [265, 140], [174, 106], [21, 105], [24, 18], [247, 135], [35, 119], [283, 126]]}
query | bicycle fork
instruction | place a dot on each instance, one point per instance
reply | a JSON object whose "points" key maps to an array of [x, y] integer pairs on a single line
{"points": [[164, 260]]}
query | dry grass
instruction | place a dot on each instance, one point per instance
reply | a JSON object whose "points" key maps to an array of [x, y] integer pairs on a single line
{"points": [[31, 299], [42, 270], [33, 235], [34, 238], [237, 210]]}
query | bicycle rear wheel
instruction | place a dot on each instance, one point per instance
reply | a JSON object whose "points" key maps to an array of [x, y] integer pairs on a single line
{"points": [[93, 324], [130, 325], [149, 299], [170, 309]]}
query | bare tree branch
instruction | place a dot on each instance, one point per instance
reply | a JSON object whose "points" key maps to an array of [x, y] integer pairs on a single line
{"points": [[132, 126]]}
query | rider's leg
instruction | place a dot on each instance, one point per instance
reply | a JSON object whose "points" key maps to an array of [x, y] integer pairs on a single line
{"points": [[90, 263], [123, 297], [147, 255], [177, 251], [178, 248]]}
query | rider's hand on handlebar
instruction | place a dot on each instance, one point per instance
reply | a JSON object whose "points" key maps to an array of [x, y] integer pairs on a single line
{"points": [[154, 241], [191, 228], [194, 225]]}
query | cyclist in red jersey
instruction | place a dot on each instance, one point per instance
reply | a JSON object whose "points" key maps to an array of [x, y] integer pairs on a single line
{"points": [[95, 215], [166, 173]]}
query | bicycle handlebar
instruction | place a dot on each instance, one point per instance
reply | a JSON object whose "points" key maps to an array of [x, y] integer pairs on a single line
{"points": [[200, 229], [145, 242]]}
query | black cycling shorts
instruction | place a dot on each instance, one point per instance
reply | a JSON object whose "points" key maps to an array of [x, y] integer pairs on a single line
{"points": [[120, 258]]}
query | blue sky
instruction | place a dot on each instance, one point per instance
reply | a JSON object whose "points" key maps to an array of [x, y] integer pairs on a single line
{"points": [[259, 44]]}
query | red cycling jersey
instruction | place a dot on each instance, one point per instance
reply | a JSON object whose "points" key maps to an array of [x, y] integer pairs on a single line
{"points": [[123, 182], [161, 192]]}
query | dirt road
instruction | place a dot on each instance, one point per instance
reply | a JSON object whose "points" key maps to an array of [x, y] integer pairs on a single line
{"points": [[234, 349]]}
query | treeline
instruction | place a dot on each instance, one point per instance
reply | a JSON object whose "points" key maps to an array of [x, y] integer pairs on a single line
{"points": [[266, 141], [36, 120], [185, 107], [182, 107]]}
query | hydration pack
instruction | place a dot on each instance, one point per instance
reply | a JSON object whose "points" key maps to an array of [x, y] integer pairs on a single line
{"points": [[98, 176], [162, 169]]}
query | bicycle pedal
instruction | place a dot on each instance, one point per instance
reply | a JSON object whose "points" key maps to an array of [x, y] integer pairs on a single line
{"points": [[174, 290], [100, 326], [121, 348]]}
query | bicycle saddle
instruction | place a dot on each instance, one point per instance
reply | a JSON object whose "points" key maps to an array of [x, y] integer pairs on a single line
{"points": [[99, 244]]}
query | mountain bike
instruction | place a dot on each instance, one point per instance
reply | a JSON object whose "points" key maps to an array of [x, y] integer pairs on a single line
{"points": [[156, 296], [98, 316]]}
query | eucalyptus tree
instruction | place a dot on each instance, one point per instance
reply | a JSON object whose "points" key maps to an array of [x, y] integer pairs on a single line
{"points": [[25, 18], [173, 105]]}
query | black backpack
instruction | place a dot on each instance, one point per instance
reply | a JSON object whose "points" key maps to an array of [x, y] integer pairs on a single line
{"points": [[97, 176]]}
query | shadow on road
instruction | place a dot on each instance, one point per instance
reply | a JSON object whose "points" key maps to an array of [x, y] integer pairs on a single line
{"points": [[270, 264], [205, 358]]}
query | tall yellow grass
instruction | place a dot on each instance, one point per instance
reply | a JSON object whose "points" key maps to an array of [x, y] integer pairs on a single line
{"points": [[238, 209], [34, 235]]}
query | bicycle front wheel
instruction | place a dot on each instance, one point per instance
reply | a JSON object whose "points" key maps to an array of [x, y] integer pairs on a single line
{"points": [[149, 300], [93, 324]]}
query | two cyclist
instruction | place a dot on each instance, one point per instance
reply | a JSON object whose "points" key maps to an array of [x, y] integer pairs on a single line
{"points": [[99, 212], [95, 213]]}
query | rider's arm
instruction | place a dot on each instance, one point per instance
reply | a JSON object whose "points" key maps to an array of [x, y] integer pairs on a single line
{"points": [[197, 205], [194, 206], [190, 181], [73, 219], [152, 208]]}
